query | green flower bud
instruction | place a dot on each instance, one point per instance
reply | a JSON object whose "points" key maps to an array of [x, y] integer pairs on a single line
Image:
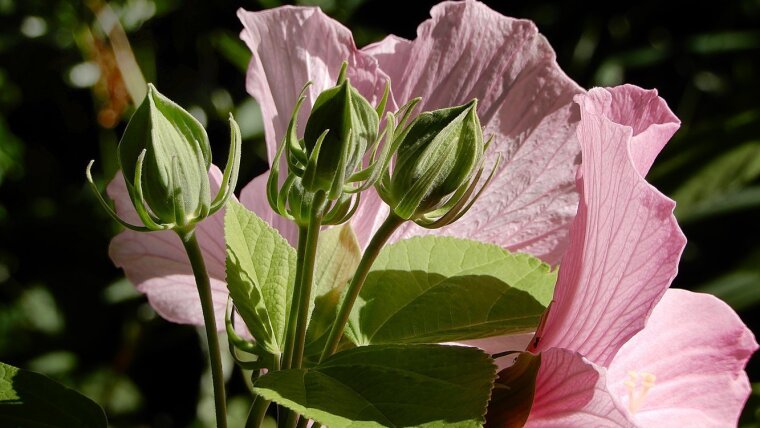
{"points": [[171, 150], [438, 163], [165, 157], [340, 129], [325, 168]]}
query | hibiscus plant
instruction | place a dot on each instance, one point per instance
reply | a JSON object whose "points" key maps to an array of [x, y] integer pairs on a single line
{"points": [[451, 233]]}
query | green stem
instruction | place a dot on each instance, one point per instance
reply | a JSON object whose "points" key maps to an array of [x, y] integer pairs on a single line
{"points": [[207, 306], [299, 311], [290, 335], [307, 279], [258, 412], [260, 406], [352, 292]]}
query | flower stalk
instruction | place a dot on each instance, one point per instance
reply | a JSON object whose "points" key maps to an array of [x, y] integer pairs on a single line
{"points": [[391, 223], [307, 279], [165, 158], [290, 333], [308, 238], [193, 250]]}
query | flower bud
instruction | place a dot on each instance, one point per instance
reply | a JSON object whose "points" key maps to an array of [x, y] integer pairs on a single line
{"points": [[169, 149], [438, 161], [341, 127], [165, 156], [325, 170]]}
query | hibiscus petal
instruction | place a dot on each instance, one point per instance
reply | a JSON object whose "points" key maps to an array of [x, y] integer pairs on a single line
{"points": [[696, 347], [652, 121], [572, 392], [392, 53], [156, 262], [469, 51], [294, 45], [368, 218], [625, 242]]}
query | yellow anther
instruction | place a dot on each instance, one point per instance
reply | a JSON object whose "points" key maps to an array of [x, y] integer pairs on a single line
{"points": [[648, 380], [635, 401]]}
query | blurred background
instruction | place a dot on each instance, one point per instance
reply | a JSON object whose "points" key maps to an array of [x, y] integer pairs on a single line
{"points": [[68, 70]]}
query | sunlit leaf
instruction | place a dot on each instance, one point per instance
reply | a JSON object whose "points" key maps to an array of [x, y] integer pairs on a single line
{"points": [[260, 275], [436, 289]]}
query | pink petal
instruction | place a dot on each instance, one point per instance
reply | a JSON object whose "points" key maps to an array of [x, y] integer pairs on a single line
{"points": [[697, 347], [652, 121], [625, 242], [368, 218], [469, 51], [294, 45], [156, 262], [572, 392], [392, 54]]}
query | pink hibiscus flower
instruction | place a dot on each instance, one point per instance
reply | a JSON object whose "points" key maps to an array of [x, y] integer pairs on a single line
{"points": [[600, 365], [605, 360]]}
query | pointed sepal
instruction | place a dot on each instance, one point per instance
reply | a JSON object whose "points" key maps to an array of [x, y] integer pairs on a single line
{"points": [[230, 177], [107, 207]]}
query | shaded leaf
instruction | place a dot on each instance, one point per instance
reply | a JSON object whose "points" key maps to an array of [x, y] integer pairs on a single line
{"points": [[726, 173], [32, 400], [388, 385]]}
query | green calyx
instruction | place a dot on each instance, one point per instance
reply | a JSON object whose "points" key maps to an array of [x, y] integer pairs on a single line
{"points": [[438, 164], [165, 157], [341, 129]]}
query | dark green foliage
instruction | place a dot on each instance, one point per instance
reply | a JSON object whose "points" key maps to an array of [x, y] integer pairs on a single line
{"points": [[65, 309]]}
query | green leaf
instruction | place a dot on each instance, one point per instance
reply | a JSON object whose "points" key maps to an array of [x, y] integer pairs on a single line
{"points": [[11, 153], [32, 400], [260, 275], [388, 385], [338, 255], [438, 289], [724, 204], [513, 391], [738, 287], [727, 173], [233, 49]]}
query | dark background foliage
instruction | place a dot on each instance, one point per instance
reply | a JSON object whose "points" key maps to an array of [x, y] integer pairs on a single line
{"points": [[67, 312]]}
